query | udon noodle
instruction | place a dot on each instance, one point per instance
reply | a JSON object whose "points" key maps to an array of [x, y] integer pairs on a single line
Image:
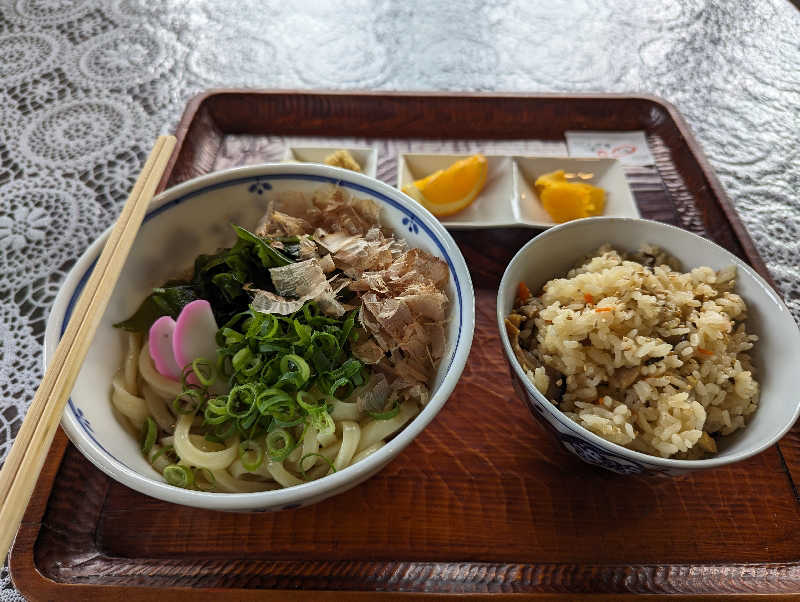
{"points": [[309, 377]]}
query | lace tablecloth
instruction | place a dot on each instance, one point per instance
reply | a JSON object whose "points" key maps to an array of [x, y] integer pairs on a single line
{"points": [[85, 87]]}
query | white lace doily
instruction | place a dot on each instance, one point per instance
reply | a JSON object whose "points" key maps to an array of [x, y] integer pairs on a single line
{"points": [[86, 86]]}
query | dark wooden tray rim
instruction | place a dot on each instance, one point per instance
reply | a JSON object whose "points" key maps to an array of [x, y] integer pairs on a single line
{"points": [[170, 578]]}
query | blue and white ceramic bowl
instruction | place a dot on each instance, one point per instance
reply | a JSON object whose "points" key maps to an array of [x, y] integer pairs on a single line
{"points": [[551, 255], [193, 218]]}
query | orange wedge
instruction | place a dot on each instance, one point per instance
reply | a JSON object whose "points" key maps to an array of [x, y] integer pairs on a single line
{"points": [[450, 190]]}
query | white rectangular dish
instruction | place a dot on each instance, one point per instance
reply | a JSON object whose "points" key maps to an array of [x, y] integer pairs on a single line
{"points": [[508, 198]]}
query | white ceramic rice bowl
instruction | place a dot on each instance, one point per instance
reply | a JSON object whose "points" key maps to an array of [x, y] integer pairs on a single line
{"points": [[775, 355], [194, 218]]}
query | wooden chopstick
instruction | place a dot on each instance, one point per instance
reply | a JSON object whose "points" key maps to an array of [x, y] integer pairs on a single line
{"points": [[21, 469]]}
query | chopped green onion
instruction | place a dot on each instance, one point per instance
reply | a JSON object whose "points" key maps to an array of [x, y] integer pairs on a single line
{"points": [[241, 358], [225, 430], [248, 421], [250, 448], [252, 325], [268, 333], [347, 327], [207, 482], [347, 370], [328, 343], [241, 401], [306, 401], [285, 421], [303, 331], [204, 371], [311, 455], [224, 365], [270, 397], [360, 377], [263, 327], [167, 449], [188, 401], [272, 348], [216, 410], [280, 406], [281, 372], [323, 422], [231, 336], [269, 256], [388, 414], [299, 364], [179, 475], [332, 388], [270, 371], [252, 366], [149, 432], [286, 413], [280, 444]]}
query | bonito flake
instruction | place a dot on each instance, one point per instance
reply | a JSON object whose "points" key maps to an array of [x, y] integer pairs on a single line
{"points": [[350, 261]]}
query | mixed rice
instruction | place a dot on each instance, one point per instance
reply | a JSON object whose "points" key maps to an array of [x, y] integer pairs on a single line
{"points": [[639, 352]]}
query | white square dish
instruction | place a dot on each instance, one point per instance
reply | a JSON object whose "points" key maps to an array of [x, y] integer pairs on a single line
{"points": [[608, 174], [367, 158], [492, 208]]}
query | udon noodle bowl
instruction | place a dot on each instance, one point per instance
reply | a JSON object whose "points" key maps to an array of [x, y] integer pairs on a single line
{"points": [[296, 352]]}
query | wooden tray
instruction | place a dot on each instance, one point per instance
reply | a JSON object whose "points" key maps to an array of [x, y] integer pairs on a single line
{"points": [[483, 502]]}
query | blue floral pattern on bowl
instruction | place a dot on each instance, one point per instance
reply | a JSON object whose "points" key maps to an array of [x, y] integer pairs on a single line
{"points": [[594, 455], [568, 434], [260, 186], [84, 421], [412, 224]]}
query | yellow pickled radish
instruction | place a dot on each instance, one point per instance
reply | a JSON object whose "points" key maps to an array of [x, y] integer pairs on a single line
{"points": [[565, 200], [597, 198], [547, 179]]}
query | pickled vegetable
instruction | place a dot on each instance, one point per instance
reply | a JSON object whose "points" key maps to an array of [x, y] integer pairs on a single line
{"points": [[565, 200]]}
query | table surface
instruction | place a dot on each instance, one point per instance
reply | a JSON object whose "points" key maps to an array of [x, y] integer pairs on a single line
{"points": [[85, 87]]}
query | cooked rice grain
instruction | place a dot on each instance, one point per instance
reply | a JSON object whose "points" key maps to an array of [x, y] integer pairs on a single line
{"points": [[640, 353]]}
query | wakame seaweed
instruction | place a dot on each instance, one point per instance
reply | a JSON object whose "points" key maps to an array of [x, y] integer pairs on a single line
{"points": [[219, 278]]}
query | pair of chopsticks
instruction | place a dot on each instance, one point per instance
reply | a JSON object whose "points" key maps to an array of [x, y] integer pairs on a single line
{"points": [[21, 469]]}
